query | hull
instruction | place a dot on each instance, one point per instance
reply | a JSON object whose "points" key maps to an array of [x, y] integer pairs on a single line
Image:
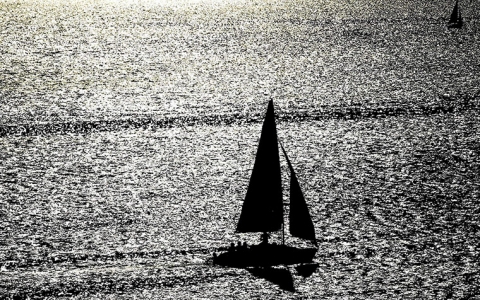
{"points": [[455, 25], [264, 256]]}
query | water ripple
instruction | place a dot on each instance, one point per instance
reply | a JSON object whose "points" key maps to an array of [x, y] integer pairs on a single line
{"points": [[467, 103]]}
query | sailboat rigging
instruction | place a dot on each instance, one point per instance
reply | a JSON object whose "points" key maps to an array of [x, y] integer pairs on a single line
{"points": [[263, 211], [456, 20]]}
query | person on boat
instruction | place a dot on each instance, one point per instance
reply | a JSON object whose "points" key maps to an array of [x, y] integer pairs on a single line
{"points": [[231, 248], [264, 237], [239, 245]]}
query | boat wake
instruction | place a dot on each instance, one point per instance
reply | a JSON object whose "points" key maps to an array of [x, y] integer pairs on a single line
{"points": [[113, 281], [79, 260]]}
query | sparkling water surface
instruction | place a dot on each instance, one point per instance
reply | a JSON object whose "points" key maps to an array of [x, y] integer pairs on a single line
{"points": [[102, 198]]}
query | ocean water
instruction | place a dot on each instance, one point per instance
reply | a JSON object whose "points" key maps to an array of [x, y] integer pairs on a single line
{"points": [[128, 131]]}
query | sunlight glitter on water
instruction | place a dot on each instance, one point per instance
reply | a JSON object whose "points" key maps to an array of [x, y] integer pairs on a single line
{"points": [[394, 197], [105, 61], [182, 189]]}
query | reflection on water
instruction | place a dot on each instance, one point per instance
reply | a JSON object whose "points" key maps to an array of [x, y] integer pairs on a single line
{"points": [[306, 270], [279, 276]]}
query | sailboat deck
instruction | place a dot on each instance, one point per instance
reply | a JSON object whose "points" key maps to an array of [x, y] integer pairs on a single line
{"points": [[265, 255]]}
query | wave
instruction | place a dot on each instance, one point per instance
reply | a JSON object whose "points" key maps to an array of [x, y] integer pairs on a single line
{"points": [[353, 112], [93, 281]]}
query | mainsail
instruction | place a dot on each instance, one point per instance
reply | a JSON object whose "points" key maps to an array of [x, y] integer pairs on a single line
{"points": [[301, 224], [454, 16], [262, 209], [456, 20]]}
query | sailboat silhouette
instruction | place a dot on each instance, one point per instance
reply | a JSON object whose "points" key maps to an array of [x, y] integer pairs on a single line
{"points": [[456, 20], [262, 209]]}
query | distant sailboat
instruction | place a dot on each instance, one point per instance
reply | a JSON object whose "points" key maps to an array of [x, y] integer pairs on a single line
{"points": [[262, 209], [456, 20]]}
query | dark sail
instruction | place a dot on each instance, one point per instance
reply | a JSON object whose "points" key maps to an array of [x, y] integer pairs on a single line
{"points": [[456, 20], [301, 224], [454, 16], [262, 209]]}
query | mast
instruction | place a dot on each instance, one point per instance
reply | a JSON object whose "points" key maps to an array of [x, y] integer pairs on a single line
{"points": [[262, 209]]}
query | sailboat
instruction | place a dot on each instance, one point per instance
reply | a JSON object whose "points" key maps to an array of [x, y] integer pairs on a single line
{"points": [[263, 209], [456, 20]]}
